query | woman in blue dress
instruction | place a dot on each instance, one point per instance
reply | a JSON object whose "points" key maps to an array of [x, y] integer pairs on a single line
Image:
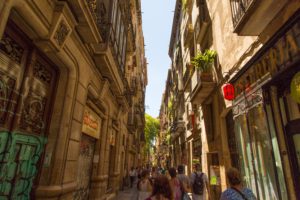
{"points": [[236, 190]]}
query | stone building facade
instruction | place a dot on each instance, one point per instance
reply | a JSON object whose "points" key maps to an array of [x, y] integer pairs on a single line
{"points": [[257, 46], [73, 76]]}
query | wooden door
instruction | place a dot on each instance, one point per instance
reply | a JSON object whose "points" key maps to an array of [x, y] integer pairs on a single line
{"points": [[27, 86]]}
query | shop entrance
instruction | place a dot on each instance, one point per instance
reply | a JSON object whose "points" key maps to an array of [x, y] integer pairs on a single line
{"points": [[27, 86], [293, 132], [85, 161], [259, 154], [290, 117]]}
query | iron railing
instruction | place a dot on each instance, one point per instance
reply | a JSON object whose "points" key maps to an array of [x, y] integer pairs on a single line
{"points": [[239, 9], [106, 29]]}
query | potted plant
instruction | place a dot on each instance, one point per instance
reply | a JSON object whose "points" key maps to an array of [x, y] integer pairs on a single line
{"points": [[203, 63]]}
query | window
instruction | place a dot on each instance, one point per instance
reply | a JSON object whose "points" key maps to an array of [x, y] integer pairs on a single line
{"points": [[258, 166]]}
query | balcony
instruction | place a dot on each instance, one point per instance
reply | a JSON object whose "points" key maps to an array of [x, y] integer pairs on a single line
{"points": [[203, 20], [187, 76], [88, 15], [201, 87], [178, 127], [250, 17], [131, 123], [105, 36]]}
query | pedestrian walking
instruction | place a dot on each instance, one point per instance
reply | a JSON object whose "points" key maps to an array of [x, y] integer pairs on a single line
{"points": [[161, 189], [175, 184], [199, 184], [154, 172], [236, 190], [132, 175], [144, 185], [184, 182]]}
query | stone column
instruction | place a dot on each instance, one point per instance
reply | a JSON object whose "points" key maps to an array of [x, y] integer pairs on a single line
{"points": [[98, 182]]}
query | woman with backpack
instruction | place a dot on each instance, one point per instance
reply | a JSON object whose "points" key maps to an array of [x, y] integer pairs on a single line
{"points": [[199, 184], [144, 185], [236, 190]]}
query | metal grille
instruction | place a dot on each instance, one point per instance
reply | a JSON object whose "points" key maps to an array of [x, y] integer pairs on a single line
{"points": [[238, 9]]}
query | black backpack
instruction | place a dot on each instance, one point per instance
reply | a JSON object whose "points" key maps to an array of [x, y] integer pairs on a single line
{"points": [[198, 184]]}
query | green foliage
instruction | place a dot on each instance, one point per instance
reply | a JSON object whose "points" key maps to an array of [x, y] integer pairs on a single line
{"points": [[151, 131], [203, 61]]}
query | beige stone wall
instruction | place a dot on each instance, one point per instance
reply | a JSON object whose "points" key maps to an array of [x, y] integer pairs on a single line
{"points": [[234, 51], [80, 83]]}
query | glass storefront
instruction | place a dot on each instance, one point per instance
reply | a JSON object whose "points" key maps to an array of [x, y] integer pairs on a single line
{"points": [[290, 116], [260, 162]]}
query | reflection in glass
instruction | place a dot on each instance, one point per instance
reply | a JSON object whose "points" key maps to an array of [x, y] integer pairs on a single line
{"points": [[258, 153]]}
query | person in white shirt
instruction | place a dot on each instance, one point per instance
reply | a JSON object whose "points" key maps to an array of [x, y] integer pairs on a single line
{"points": [[132, 175]]}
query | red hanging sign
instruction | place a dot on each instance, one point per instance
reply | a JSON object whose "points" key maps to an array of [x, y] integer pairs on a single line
{"points": [[228, 91]]}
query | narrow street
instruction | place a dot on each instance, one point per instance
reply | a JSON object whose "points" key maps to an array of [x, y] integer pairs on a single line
{"points": [[200, 96]]}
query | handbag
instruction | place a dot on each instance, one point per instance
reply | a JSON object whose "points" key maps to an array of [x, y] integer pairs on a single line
{"points": [[185, 195]]}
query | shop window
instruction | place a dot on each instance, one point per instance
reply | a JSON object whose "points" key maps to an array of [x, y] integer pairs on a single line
{"points": [[257, 162]]}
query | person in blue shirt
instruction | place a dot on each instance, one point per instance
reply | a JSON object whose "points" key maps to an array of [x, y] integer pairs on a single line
{"points": [[236, 190]]}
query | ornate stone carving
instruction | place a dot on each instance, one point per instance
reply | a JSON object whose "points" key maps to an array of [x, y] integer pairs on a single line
{"points": [[61, 33], [11, 48], [32, 115], [40, 72], [99, 13], [7, 103]]}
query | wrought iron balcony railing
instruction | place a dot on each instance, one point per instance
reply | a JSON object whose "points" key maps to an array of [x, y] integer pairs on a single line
{"points": [[239, 9], [111, 29]]}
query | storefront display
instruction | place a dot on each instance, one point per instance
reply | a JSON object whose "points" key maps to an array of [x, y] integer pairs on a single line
{"points": [[268, 81], [90, 133]]}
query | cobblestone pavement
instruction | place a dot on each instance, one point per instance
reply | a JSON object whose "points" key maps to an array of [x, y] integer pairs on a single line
{"points": [[128, 194]]}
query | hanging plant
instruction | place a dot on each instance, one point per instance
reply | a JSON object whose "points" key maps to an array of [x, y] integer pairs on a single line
{"points": [[203, 61]]}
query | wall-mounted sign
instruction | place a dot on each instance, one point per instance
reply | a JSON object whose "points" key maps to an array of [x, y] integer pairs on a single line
{"points": [[274, 60], [91, 124], [295, 87]]}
